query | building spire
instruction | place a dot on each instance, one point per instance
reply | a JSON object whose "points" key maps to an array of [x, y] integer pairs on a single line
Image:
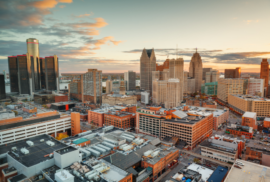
{"points": [[196, 49]]}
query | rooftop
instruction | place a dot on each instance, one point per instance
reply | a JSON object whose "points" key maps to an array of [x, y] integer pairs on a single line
{"points": [[37, 151], [205, 172], [218, 174], [250, 115], [249, 172], [209, 144], [250, 97]]}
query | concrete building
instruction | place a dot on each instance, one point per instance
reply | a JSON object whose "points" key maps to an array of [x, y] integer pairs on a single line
{"points": [[145, 97], [176, 71], [15, 129], [221, 148], [130, 78], [2, 87], [205, 70], [232, 73], [122, 88], [246, 103], [256, 87], [108, 86], [253, 171], [147, 65], [87, 87], [196, 70], [33, 50], [212, 76], [191, 82], [187, 126], [114, 99], [264, 74], [231, 86]]}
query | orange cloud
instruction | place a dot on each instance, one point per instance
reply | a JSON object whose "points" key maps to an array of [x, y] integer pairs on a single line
{"points": [[65, 1], [45, 4], [84, 15], [100, 22], [116, 42]]}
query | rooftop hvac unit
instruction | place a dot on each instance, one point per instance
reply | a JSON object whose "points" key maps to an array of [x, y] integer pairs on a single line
{"points": [[154, 154], [129, 135], [102, 169], [121, 146], [14, 148], [147, 152], [127, 147], [108, 144], [84, 133], [104, 147], [97, 166], [90, 136], [24, 151], [94, 152], [50, 143], [127, 138], [107, 128], [30, 143], [99, 149], [86, 152], [42, 140], [111, 141]]}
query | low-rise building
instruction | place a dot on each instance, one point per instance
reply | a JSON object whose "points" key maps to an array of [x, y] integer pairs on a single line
{"points": [[114, 99], [210, 88], [247, 103], [221, 148], [125, 120], [145, 97], [240, 131], [250, 119], [248, 171], [262, 156], [266, 123]]}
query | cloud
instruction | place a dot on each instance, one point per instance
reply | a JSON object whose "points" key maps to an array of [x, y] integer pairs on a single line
{"points": [[65, 1], [84, 15], [251, 21], [100, 22], [116, 42], [22, 13], [212, 56]]}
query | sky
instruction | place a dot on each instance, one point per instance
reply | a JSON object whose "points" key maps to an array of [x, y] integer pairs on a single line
{"points": [[110, 35]]}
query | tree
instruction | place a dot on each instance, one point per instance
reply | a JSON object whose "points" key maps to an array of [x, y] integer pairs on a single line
{"points": [[197, 161], [15, 112]]}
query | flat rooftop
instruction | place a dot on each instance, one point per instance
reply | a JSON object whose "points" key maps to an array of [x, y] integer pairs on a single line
{"points": [[205, 172], [62, 103], [250, 97], [208, 144], [36, 152], [249, 172]]}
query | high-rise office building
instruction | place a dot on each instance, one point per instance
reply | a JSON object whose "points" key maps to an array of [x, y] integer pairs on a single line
{"points": [[205, 70], [130, 78], [49, 73], [195, 70], [176, 70], [212, 76], [88, 87], [108, 86], [232, 73], [147, 65], [20, 73], [165, 66], [33, 50], [264, 74], [2, 87]]}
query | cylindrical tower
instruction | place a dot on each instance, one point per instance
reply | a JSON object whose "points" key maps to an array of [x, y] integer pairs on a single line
{"points": [[33, 50]]}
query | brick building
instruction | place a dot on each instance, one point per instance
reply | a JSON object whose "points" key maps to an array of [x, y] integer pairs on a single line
{"points": [[240, 131], [125, 120], [261, 155], [250, 119], [232, 73], [246, 103], [264, 74]]}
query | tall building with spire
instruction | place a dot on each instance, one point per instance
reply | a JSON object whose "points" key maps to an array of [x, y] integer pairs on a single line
{"points": [[33, 50], [264, 74], [196, 70], [147, 65]]}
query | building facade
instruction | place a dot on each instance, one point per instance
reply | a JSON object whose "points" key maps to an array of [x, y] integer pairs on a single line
{"points": [[130, 78], [212, 76], [264, 74], [205, 70], [210, 88], [87, 87], [231, 86], [147, 65], [114, 99], [256, 87], [196, 70], [246, 103], [232, 73], [2, 87]]}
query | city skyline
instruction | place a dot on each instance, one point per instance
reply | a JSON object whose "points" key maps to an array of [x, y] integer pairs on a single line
{"points": [[110, 36]]}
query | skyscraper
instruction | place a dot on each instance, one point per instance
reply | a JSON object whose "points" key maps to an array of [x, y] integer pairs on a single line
{"points": [[130, 77], [2, 87], [195, 70], [20, 74], [33, 50], [233, 73], [49, 73], [176, 69], [264, 74], [147, 65]]}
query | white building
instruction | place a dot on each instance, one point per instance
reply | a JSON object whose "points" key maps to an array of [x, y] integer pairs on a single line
{"points": [[145, 97], [256, 87]]}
